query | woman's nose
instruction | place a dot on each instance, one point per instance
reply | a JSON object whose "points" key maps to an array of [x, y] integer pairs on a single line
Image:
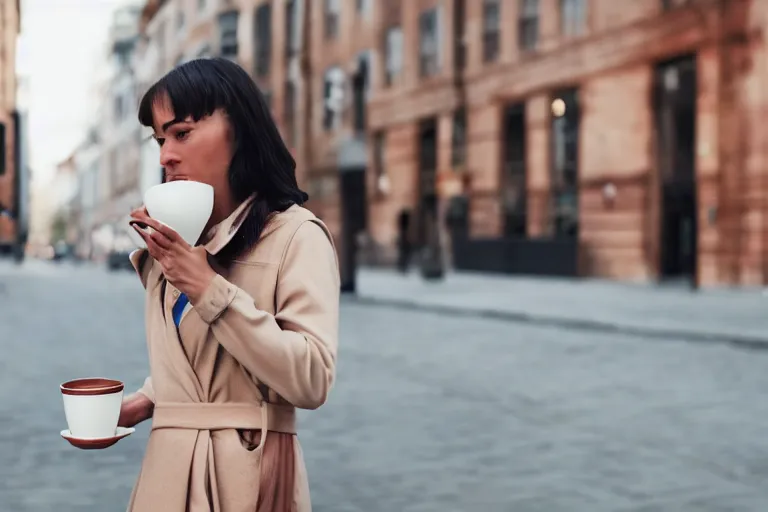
{"points": [[167, 157]]}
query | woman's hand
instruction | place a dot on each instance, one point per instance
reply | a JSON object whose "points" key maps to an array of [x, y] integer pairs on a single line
{"points": [[135, 409], [184, 266]]}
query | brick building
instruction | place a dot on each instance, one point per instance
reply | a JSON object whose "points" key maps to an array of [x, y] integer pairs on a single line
{"points": [[587, 137], [9, 31], [592, 137]]}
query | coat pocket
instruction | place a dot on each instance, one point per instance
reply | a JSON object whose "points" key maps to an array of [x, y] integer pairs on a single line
{"points": [[249, 439], [238, 470]]}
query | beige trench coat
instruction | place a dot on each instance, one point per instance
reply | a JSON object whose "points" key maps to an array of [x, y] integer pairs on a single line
{"points": [[260, 342]]}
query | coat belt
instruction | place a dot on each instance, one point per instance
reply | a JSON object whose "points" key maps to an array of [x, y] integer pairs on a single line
{"points": [[224, 415]]}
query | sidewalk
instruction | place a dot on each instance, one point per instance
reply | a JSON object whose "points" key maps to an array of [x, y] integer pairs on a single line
{"points": [[730, 315]]}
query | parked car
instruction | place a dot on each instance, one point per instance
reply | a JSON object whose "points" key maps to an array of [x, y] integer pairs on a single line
{"points": [[117, 258], [62, 251]]}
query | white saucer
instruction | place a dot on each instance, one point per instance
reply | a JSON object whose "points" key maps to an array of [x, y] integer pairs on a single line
{"points": [[97, 444]]}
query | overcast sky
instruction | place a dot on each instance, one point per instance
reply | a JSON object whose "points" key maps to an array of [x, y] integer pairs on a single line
{"points": [[62, 45]]}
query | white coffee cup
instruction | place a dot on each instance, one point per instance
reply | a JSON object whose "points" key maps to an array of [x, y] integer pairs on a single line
{"points": [[92, 406], [184, 206]]}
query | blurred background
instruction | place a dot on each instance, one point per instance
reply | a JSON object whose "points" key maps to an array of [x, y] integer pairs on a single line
{"points": [[552, 217]]}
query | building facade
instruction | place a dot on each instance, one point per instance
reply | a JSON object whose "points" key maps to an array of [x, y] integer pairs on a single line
{"points": [[562, 137], [108, 161], [86, 214], [10, 175], [589, 137]]}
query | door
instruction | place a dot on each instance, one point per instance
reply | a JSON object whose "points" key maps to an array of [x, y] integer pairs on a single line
{"points": [[353, 222], [675, 119], [513, 181], [427, 184]]}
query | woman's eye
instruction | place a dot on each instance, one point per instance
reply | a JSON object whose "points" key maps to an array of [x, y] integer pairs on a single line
{"points": [[182, 134]]}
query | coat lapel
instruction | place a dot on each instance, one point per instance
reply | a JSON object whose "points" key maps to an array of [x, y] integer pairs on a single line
{"points": [[176, 353], [222, 233], [218, 237]]}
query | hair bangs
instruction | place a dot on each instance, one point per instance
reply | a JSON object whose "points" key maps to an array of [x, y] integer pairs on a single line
{"points": [[191, 93]]}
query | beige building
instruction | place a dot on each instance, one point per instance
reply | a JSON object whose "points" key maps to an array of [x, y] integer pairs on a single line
{"points": [[108, 161]]}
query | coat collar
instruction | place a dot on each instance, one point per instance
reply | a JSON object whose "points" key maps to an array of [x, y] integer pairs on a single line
{"points": [[222, 233]]}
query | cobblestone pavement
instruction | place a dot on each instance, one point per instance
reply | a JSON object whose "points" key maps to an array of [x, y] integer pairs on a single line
{"points": [[430, 413]]}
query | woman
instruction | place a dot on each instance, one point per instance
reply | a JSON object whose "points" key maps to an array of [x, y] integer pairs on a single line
{"points": [[242, 328]]}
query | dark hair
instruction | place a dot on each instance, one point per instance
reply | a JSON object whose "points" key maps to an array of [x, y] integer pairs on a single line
{"points": [[261, 162]]}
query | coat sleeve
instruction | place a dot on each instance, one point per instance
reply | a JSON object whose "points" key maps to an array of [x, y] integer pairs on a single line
{"points": [[147, 390], [142, 263], [294, 351]]}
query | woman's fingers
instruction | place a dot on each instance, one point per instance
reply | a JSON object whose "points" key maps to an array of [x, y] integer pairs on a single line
{"points": [[165, 230], [162, 240], [154, 249]]}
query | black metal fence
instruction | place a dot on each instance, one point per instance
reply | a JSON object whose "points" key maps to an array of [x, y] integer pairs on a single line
{"points": [[532, 256]]}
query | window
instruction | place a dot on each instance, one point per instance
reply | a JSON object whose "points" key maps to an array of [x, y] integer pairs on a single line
{"points": [[289, 113], [160, 40], [333, 97], [205, 52], [228, 34], [379, 168], [118, 108], [429, 43], [460, 33], [671, 4], [459, 137], [573, 18], [491, 29], [114, 173], [393, 55], [262, 38], [528, 28], [289, 13], [331, 10], [3, 148], [360, 91], [363, 7]]}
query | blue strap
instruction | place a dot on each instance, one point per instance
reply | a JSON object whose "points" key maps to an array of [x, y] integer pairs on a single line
{"points": [[178, 308]]}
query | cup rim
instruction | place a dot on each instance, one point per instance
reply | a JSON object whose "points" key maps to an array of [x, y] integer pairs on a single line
{"points": [[179, 183], [91, 386]]}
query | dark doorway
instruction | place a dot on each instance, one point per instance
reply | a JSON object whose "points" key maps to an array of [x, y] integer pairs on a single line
{"points": [[675, 118], [360, 93], [514, 192], [427, 185], [353, 222], [564, 199]]}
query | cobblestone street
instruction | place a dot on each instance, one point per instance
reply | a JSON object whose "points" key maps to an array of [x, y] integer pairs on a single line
{"points": [[430, 413]]}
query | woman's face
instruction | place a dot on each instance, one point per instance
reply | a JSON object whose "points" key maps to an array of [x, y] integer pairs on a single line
{"points": [[194, 150]]}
